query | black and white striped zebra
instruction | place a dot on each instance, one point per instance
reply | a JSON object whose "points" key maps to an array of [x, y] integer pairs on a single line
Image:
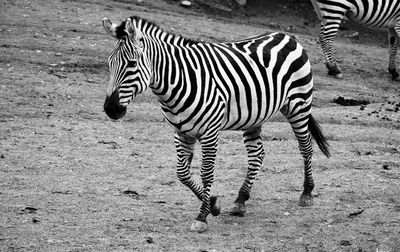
{"points": [[376, 14], [204, 88]]}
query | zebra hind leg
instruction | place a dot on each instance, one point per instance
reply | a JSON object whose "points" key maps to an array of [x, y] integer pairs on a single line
{"points": [[326, 40], [300, 129], [299, 123], [394, 37], [255, 152]]}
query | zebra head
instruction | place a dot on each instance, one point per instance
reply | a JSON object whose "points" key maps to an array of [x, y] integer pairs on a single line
{"points": [[129, 75]]}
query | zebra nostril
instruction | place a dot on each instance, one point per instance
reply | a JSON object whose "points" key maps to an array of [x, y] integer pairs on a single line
{"points": [[112, 107]]}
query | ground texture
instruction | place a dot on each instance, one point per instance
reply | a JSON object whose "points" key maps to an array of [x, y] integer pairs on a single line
{"points": [[71, 179]]}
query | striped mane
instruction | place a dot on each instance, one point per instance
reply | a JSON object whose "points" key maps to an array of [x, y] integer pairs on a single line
{"points": [[153, 30]]}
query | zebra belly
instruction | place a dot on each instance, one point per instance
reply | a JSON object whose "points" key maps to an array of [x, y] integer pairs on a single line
{"points": [[223, 115], [256, 122], [243, 118], [374, 25]]}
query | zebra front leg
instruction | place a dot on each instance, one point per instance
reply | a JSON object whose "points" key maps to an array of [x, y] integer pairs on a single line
{"points": [[185, 147], [328, 32], [255, 153], [394, 35], [209, 204]]}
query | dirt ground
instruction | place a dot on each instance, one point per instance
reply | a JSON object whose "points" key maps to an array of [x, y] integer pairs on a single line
{"points": [[71, 179]]}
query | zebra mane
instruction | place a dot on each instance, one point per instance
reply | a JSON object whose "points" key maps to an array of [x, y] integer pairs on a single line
{"points": [[149, 28]]}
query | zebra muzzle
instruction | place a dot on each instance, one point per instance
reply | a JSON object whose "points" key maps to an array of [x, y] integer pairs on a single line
{"points": [[112, 107]]}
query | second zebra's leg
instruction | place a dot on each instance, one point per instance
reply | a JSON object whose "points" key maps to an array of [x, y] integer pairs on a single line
{"points": [[393, 38], [328, 32], [209, 144], [255, 153], [185, 147]]}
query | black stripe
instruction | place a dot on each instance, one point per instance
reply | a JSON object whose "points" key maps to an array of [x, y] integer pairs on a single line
{"points": [[289, 47]]}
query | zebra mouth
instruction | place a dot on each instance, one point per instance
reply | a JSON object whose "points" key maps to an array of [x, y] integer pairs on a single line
{"points": [[113, 108]]}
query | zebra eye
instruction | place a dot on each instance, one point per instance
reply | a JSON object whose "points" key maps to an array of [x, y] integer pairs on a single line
{"points": [[132, 63]]}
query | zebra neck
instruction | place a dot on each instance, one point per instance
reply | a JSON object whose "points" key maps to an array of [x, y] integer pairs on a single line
{"points": [[174, 70]]}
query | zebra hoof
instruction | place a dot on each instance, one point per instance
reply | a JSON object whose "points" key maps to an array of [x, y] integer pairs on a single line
{"points": [[334, 72], [306, 200], [238, 209], [339, 76], [215, 206], [396, 78], [336, 75], [395, 74], [198, 226]]}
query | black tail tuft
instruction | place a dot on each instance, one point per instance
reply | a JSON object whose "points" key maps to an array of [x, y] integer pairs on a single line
{"points": [[316, 133]]}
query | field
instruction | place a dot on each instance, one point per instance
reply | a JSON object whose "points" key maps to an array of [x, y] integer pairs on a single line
{"points": [[71, 179]]}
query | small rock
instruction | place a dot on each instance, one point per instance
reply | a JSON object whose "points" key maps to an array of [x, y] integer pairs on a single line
{"points": [[149, 240], [28, 210], [345, 243], [35, 220], [350, 102], [386, 167], [186, 3], [242, 2], [354, 35], [130, 192], [356, 213]]}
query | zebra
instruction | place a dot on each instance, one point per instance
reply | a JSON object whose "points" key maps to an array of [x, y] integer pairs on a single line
{"points": [[204, 88], [376, 14]]}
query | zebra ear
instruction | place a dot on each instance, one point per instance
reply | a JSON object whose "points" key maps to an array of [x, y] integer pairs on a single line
{"points": [[130, 28], [110, 27]]}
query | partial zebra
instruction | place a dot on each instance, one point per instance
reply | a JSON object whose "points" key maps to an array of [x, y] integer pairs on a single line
{"points": [[204, 88], [376, 14]]}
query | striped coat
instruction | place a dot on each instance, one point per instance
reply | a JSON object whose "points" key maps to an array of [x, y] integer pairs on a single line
{"points": [[204, 88]]}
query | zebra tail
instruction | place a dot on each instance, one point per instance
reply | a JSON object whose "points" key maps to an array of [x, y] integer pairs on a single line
{"points": [[316, 133]]}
